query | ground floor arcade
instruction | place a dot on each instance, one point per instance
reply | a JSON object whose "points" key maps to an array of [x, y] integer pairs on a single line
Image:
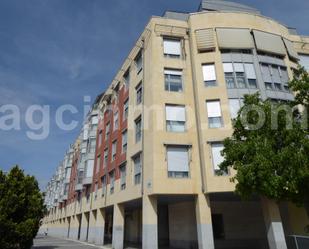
{"points": [[219, 220]]}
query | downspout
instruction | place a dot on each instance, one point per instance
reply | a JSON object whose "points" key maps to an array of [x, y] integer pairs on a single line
{"points": [[143, 116], [197, 116]]}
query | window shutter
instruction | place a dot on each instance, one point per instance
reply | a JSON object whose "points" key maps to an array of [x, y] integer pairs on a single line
{"points": [[94, 120], [172, 47], [230, 38], [205, 39], [290, 48], [216, 155], [267, 42], [90, 164], [276, 74], [213, 109], [234, 107], [178, 159], [209, 72], [173, 72], [137, 165], [266, 73], [175, 113], [250, 72], [239, 67], [304, 61], [228, 67]]}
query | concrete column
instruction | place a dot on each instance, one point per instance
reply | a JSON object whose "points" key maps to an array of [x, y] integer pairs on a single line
{"points": [[74, 228], [118, 226], [92, 226], [274, 228], [203, 222], [150, 222], [84, 227], [100, 225]]}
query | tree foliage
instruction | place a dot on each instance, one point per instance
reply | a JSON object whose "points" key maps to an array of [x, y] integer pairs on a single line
{"points": [[21, 209], [271, 159]]}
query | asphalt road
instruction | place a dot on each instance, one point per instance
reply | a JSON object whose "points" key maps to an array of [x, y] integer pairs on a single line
{"points": [[42, 242]]}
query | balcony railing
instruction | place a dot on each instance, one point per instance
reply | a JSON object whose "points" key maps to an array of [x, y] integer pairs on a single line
{"points": [[297, 242]]}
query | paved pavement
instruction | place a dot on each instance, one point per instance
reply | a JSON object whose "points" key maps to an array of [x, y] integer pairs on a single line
{"points": [[42, 242]]}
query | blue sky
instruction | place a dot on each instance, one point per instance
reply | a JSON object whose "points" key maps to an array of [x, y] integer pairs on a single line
{"points": [[54, 52]]}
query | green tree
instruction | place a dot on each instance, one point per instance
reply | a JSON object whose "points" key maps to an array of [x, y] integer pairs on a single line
{"points": [[21, 209], [269, 148]]}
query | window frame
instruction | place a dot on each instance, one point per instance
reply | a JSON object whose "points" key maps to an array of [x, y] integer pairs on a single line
{"points": [[169, 123], [138, 132], [168, 81], [216, 117], [178, 174], [172, 39]]}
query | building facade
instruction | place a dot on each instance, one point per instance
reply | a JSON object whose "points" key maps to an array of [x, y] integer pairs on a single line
{"points": [[144, 170]]}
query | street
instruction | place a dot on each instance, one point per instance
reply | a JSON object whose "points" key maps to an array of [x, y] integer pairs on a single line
{"points": [[42, 242]]}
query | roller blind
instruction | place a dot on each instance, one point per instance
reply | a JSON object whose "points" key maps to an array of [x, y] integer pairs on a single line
{"points": [[290, 48], [213, 109], [266, 73], [177, 159], [205, 39], [89, 171], [94, 120], [175, 113], [216, 155], [228, 67], [137, 165], [172, 47], [239, 67], [250, 71], [267, 42], [173, 72], [276, 74], [234, 38], [304, 61], [209, 72], [234, 107]]}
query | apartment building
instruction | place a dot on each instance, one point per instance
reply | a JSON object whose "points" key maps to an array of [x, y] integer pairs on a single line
{"points": [[144, 170]]}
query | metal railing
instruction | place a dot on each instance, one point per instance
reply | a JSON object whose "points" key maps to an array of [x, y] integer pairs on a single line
{"points": [[297, 242]]}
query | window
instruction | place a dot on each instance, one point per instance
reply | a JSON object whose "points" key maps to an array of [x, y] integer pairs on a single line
{"points": [[100, 137], [139, 62], [126, 110], [178, 161], [235, 105], [137, 169], [138, 129], [126, 78], [122, 176], [98, 163], [275, 77], [175, 118], [251, 76], [304, 61], [116, 121], [214, 113], [217, 158], [107, 130], [91, 145], [172, 47], [139, 93], [240, 75], [114, 150], [209, 75], [112, 181], [173, 80], [105, 157], [124, 141], [103, 180]]}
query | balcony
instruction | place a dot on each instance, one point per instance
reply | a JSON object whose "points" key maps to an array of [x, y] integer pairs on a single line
{"points": [[87, 181]]}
